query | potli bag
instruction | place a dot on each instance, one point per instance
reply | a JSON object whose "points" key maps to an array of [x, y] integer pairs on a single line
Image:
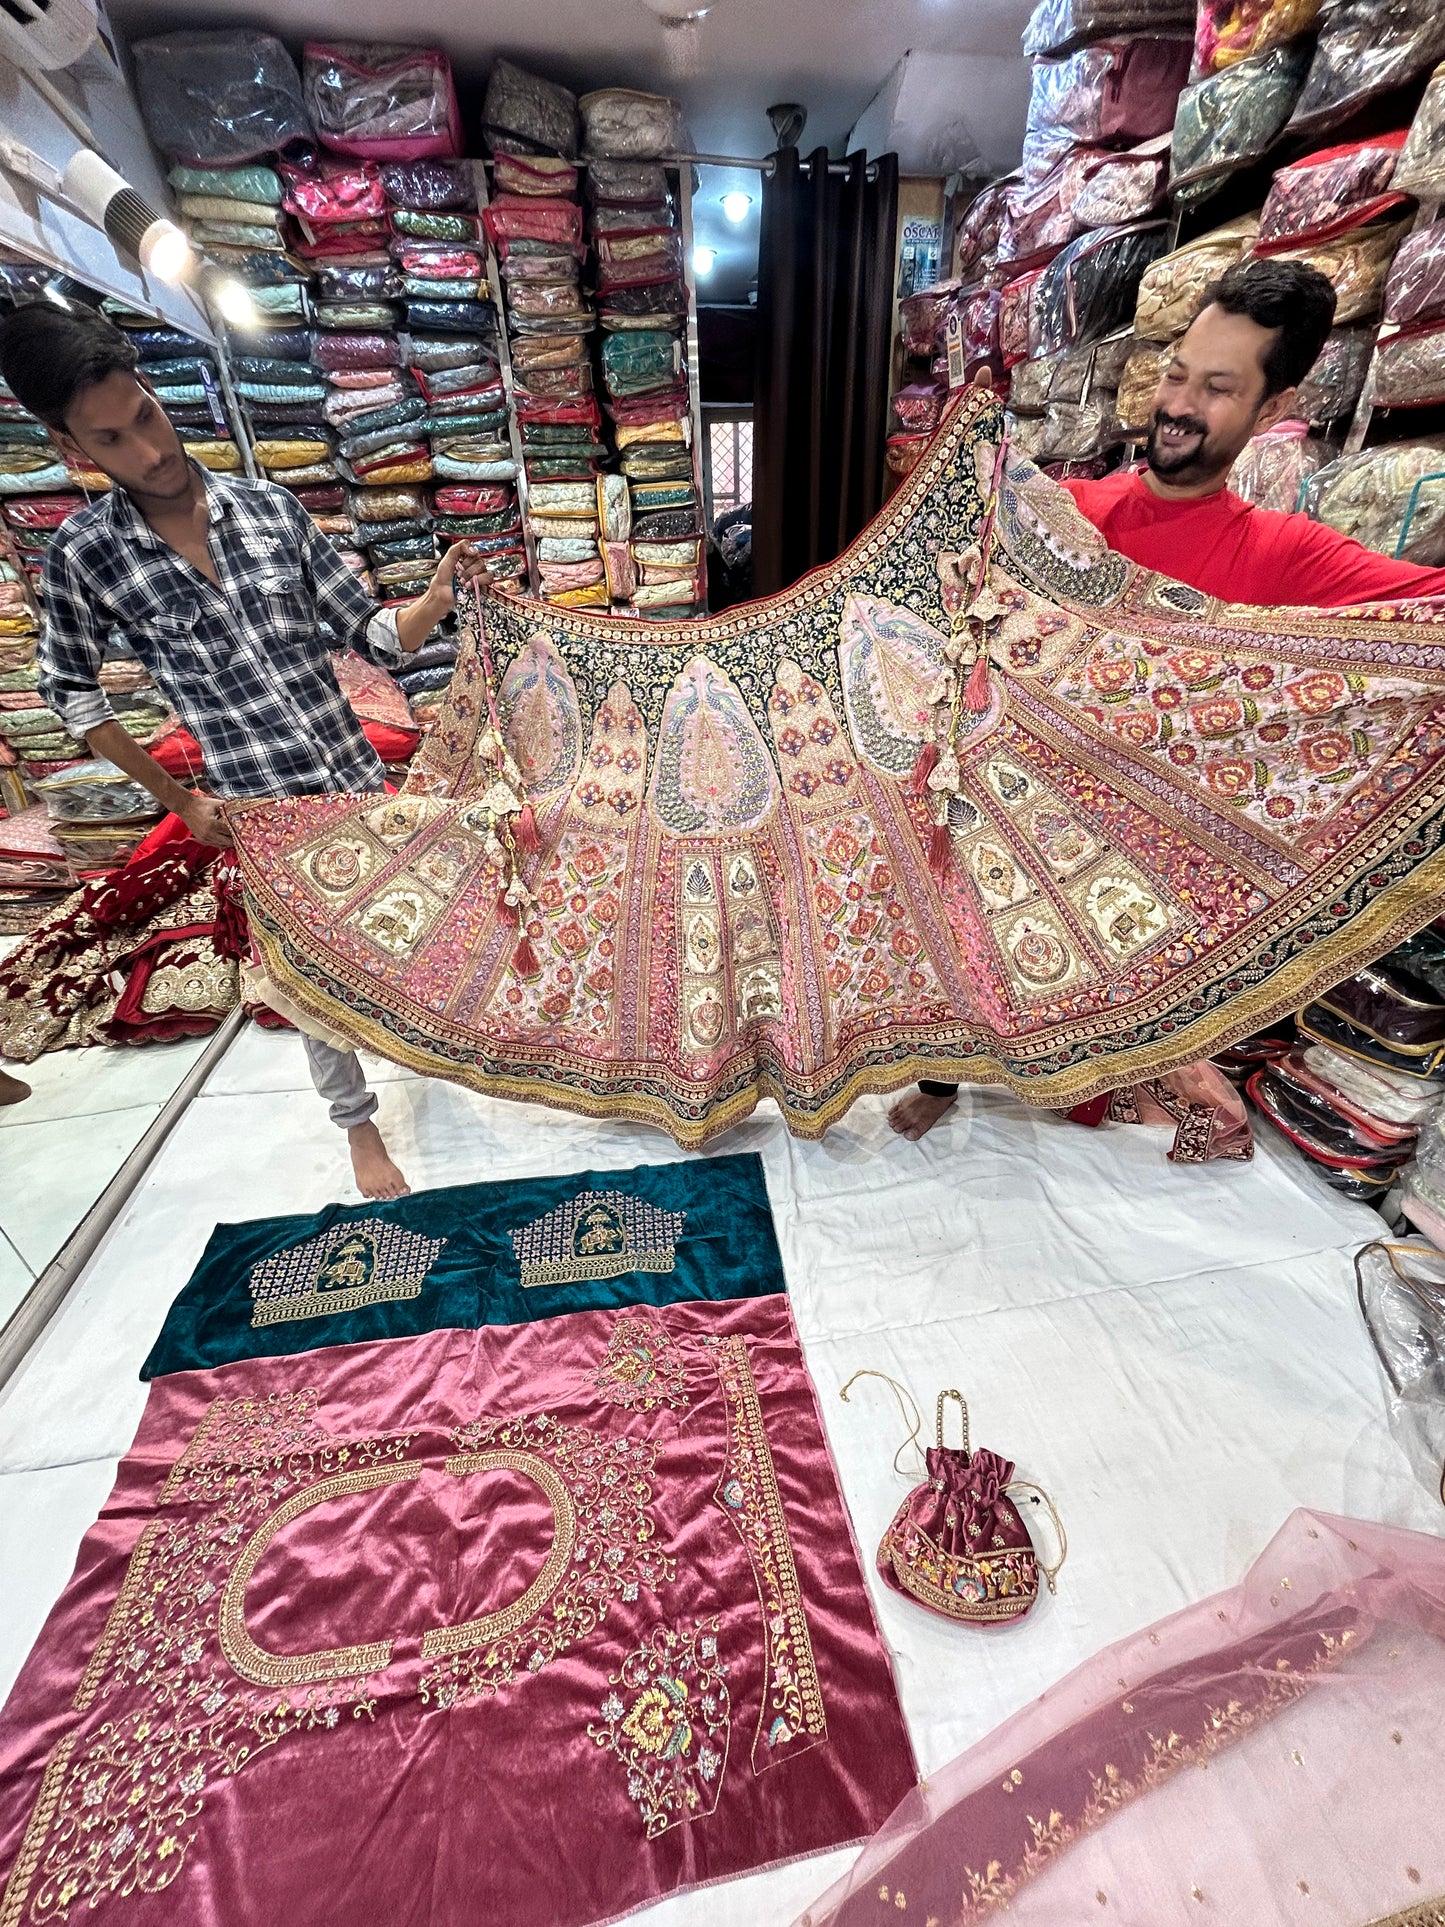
{"points": [[957, 1544]]}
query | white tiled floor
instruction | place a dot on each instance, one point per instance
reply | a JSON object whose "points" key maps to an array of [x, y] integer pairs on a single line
{"points": [[61, 1146], [1174, 1353]]}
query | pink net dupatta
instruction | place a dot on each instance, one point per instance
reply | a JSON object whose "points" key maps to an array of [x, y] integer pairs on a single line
{"points": [[1309, 1704]]}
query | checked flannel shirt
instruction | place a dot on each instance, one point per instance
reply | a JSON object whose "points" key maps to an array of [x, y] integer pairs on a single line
{"points": [[245, 666]]}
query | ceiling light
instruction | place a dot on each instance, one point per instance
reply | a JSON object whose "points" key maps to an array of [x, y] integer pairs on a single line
{"points": [[703, 260], [132, 226], [164, 251], [736, 205]]}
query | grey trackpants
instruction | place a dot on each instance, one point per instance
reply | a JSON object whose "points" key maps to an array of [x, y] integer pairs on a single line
{"points": [[339, 1078]]}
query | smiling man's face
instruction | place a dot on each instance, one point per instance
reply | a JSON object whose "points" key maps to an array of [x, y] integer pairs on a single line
{"points": [[1210, 401]]}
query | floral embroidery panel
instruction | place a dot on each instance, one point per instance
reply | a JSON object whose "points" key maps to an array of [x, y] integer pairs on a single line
{"points": [[354, 1617], [1172, 821]]}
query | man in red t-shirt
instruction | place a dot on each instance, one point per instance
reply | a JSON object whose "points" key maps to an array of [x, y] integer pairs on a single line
{"points": [[1233, 375]]}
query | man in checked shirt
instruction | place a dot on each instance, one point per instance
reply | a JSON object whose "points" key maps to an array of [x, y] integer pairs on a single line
{"points": [[220, 587]]}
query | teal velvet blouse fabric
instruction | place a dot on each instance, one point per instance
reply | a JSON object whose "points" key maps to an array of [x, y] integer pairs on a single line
{"points": [[475, 1254]]}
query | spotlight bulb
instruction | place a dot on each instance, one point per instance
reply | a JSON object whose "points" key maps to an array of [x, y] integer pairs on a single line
{"points": [[736, 205], [703, 260], [165, 252], [230, 298]]}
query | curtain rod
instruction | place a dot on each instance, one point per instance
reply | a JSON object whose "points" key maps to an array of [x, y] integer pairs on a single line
{"points": [[767, 167]]}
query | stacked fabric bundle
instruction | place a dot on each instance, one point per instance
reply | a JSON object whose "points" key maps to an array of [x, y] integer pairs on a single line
{"points": [[98, 815], [1391, 498], [642, 299], [34, 875], [534, 224], [186, 377]]}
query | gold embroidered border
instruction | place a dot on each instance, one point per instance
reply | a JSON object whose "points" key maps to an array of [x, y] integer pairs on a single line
{"points": [[569, 1271], [253, 1662], [444, 1641], [750, 1452], [326, 1304], [1397, 913], [17, 1887], [937, 1601], [1425, 1913], [118, 1617]]}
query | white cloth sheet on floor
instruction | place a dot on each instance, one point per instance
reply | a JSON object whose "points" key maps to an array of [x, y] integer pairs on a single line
{"points": [[1173, 1352]]}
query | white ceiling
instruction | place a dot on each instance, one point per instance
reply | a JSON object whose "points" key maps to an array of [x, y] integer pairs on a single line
{"points": [[831, 55]]}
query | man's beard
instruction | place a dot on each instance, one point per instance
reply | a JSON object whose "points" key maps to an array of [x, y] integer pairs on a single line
{"points": [[1191, 460]]}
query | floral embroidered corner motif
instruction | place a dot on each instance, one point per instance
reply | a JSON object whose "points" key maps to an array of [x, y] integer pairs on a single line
{"points": [[669, 1725], [366, 1262], [642, 1367], [596, 1235]]}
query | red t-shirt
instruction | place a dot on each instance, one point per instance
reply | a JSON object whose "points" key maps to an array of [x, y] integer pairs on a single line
{"points": [[1224, 546]]}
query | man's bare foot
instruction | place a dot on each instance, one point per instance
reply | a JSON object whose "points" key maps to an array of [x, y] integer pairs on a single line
{"points": [[376, 1175], [914, 1116], [12, 1091]]}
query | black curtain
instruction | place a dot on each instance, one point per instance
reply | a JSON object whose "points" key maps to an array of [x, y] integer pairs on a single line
{"points": [[825, 311]]}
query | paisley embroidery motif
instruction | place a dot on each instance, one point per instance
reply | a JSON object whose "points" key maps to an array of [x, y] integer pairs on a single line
{"points": [[712, 772], [540, 718]]}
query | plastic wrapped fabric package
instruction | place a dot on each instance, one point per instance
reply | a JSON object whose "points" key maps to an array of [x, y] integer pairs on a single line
{"points": [[358, 284], [978, 322], [621, 125], [921, 317], [1039, 221], [1108, 359], [1123, 187], [334, 191], [430, 186], [381, 102], [513, 217], [1029, 384], [1114, 93], [289, 454], [565, 498], [345, 407], [43, 511], [1327, 192], [285, 393], [658, 252], [1228, 31], [354, 317], [402, 506], [229, 183], [540, 174], [570, 528], [214, 98], [324, 503], [1332, 387], [419, 287], [43, 475], [216, 208], [531, 298], [647, 306], [1026, 435], [1415, 289], [1138, 385], [523, 114], [1366, 48], [1392, 499], [1421, 167], [1232, 118], [1275, 466], [1401, 1292], [95, 791], [656, 218], [1410, 367], [1090, 289], [411, 548], [1356, 265], [221, 458], [449, 468], [980, 226], [1015, 317], [473, 501], [1056, 27], [623, 183], [554, 549], [433, 356], [419, 225], [475, 318], [1170, 290], [440, 262]]}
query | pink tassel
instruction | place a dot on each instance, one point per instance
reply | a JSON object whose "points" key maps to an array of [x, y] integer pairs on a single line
{"points": [[524, 958], [938, 850], [923, 769], [975, 690], [524, 831]]}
